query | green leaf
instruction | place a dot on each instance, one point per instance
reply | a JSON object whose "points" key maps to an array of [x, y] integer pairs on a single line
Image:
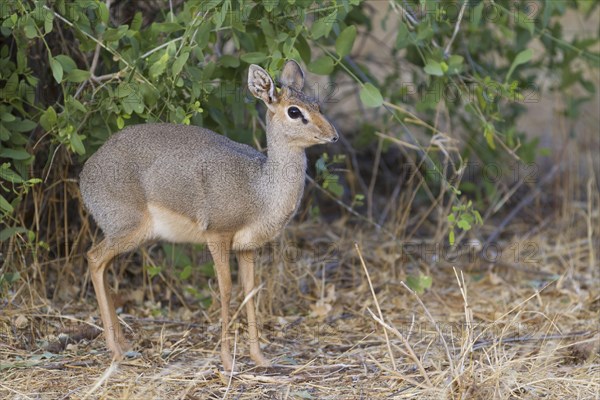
{"points": [[370, 96], [72, 102], [434, 68], [419, 283], [11, 87], [176, 254], [303, 48], [525, 21], [424, 31], [179, 63], [267, 28], [78, 75], [5, 205], [112, 35], [49, 119], [136, 22], [10, 175], [403, 37], [24, 125], [48, 22], [153, 270], [488, 133], [66, 62], [57, 69], [455, 64], [464, 225], [7, 233], [208, 5], [254, 57], [207, 269], [475, 14], [4, 133], [345, 41], [186, 273], [15, 154], [269, 5], [451, 238], [7, 117], [120, 122], [323, 26], [124, 89], [30, 31], [521, 58], [159, 66], [230, 61], [103, 13], [321, 66], [426, 281], [320, 164], [77, 144]]}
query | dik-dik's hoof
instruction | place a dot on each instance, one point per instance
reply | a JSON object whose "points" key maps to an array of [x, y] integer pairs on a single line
{"points": [[260, 360], [120, 350], [227, 361]]}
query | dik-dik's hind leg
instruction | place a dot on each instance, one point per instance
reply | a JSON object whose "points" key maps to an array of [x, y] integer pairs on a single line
{"points": [[219, 249], [246, 265], [99, 258]]}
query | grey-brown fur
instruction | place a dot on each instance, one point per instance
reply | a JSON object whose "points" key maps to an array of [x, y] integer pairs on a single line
{"points": [[189, 184]]}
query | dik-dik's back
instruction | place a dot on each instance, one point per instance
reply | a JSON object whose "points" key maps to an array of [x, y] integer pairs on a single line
{"points": [[205, 177]]}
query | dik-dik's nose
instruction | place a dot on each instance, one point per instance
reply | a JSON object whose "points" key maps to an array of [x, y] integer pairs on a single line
{"points": [[336, 135]]}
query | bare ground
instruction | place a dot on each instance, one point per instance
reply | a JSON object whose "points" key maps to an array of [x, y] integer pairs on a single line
{"points": [[523, 325]]}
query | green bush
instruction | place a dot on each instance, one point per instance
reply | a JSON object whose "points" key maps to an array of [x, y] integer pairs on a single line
{"points": [[73, 72]]}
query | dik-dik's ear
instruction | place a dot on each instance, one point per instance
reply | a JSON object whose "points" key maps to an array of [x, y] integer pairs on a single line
{"points": [[261, 85], [292, 75]]}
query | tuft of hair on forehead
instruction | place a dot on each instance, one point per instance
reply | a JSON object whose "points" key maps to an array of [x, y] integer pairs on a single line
{"points": [[291, 95]]}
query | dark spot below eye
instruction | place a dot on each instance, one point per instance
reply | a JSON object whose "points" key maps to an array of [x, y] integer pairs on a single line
{"points": [[304, 121]]}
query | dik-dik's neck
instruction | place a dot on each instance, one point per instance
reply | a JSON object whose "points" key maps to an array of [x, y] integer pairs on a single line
{"points": [[283, 173]]}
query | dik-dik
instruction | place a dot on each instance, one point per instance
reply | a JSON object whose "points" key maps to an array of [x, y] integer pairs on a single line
{"points": [[190, 185]]}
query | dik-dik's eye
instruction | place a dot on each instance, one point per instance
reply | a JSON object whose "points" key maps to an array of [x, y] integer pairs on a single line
{"points": [[294, 112]]}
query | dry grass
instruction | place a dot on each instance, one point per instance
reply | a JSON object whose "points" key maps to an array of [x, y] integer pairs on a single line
{"points": [[484, 330]]}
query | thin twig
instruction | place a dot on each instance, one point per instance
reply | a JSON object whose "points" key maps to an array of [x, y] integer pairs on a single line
{"points": [[374, 171], [387, 339], [435, 325], [487, 343], [97, 51], [162, 46], [112, 368], [404, 340], [456, 27], [232, 366]]}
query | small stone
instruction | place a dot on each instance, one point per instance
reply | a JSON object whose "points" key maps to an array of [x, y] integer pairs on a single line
{"points": [[72, 347], [132, 354], [21, 322], [63, 337]]}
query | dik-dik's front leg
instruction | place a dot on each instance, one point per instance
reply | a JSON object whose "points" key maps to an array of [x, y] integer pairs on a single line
{"points": [[219, 249], [246, 265]]}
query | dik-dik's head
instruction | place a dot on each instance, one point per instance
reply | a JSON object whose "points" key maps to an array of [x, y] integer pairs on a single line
{"points": [[291, 114]]}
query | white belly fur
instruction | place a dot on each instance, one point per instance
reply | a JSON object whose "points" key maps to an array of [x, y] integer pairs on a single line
{"points": [[174, 227]]}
